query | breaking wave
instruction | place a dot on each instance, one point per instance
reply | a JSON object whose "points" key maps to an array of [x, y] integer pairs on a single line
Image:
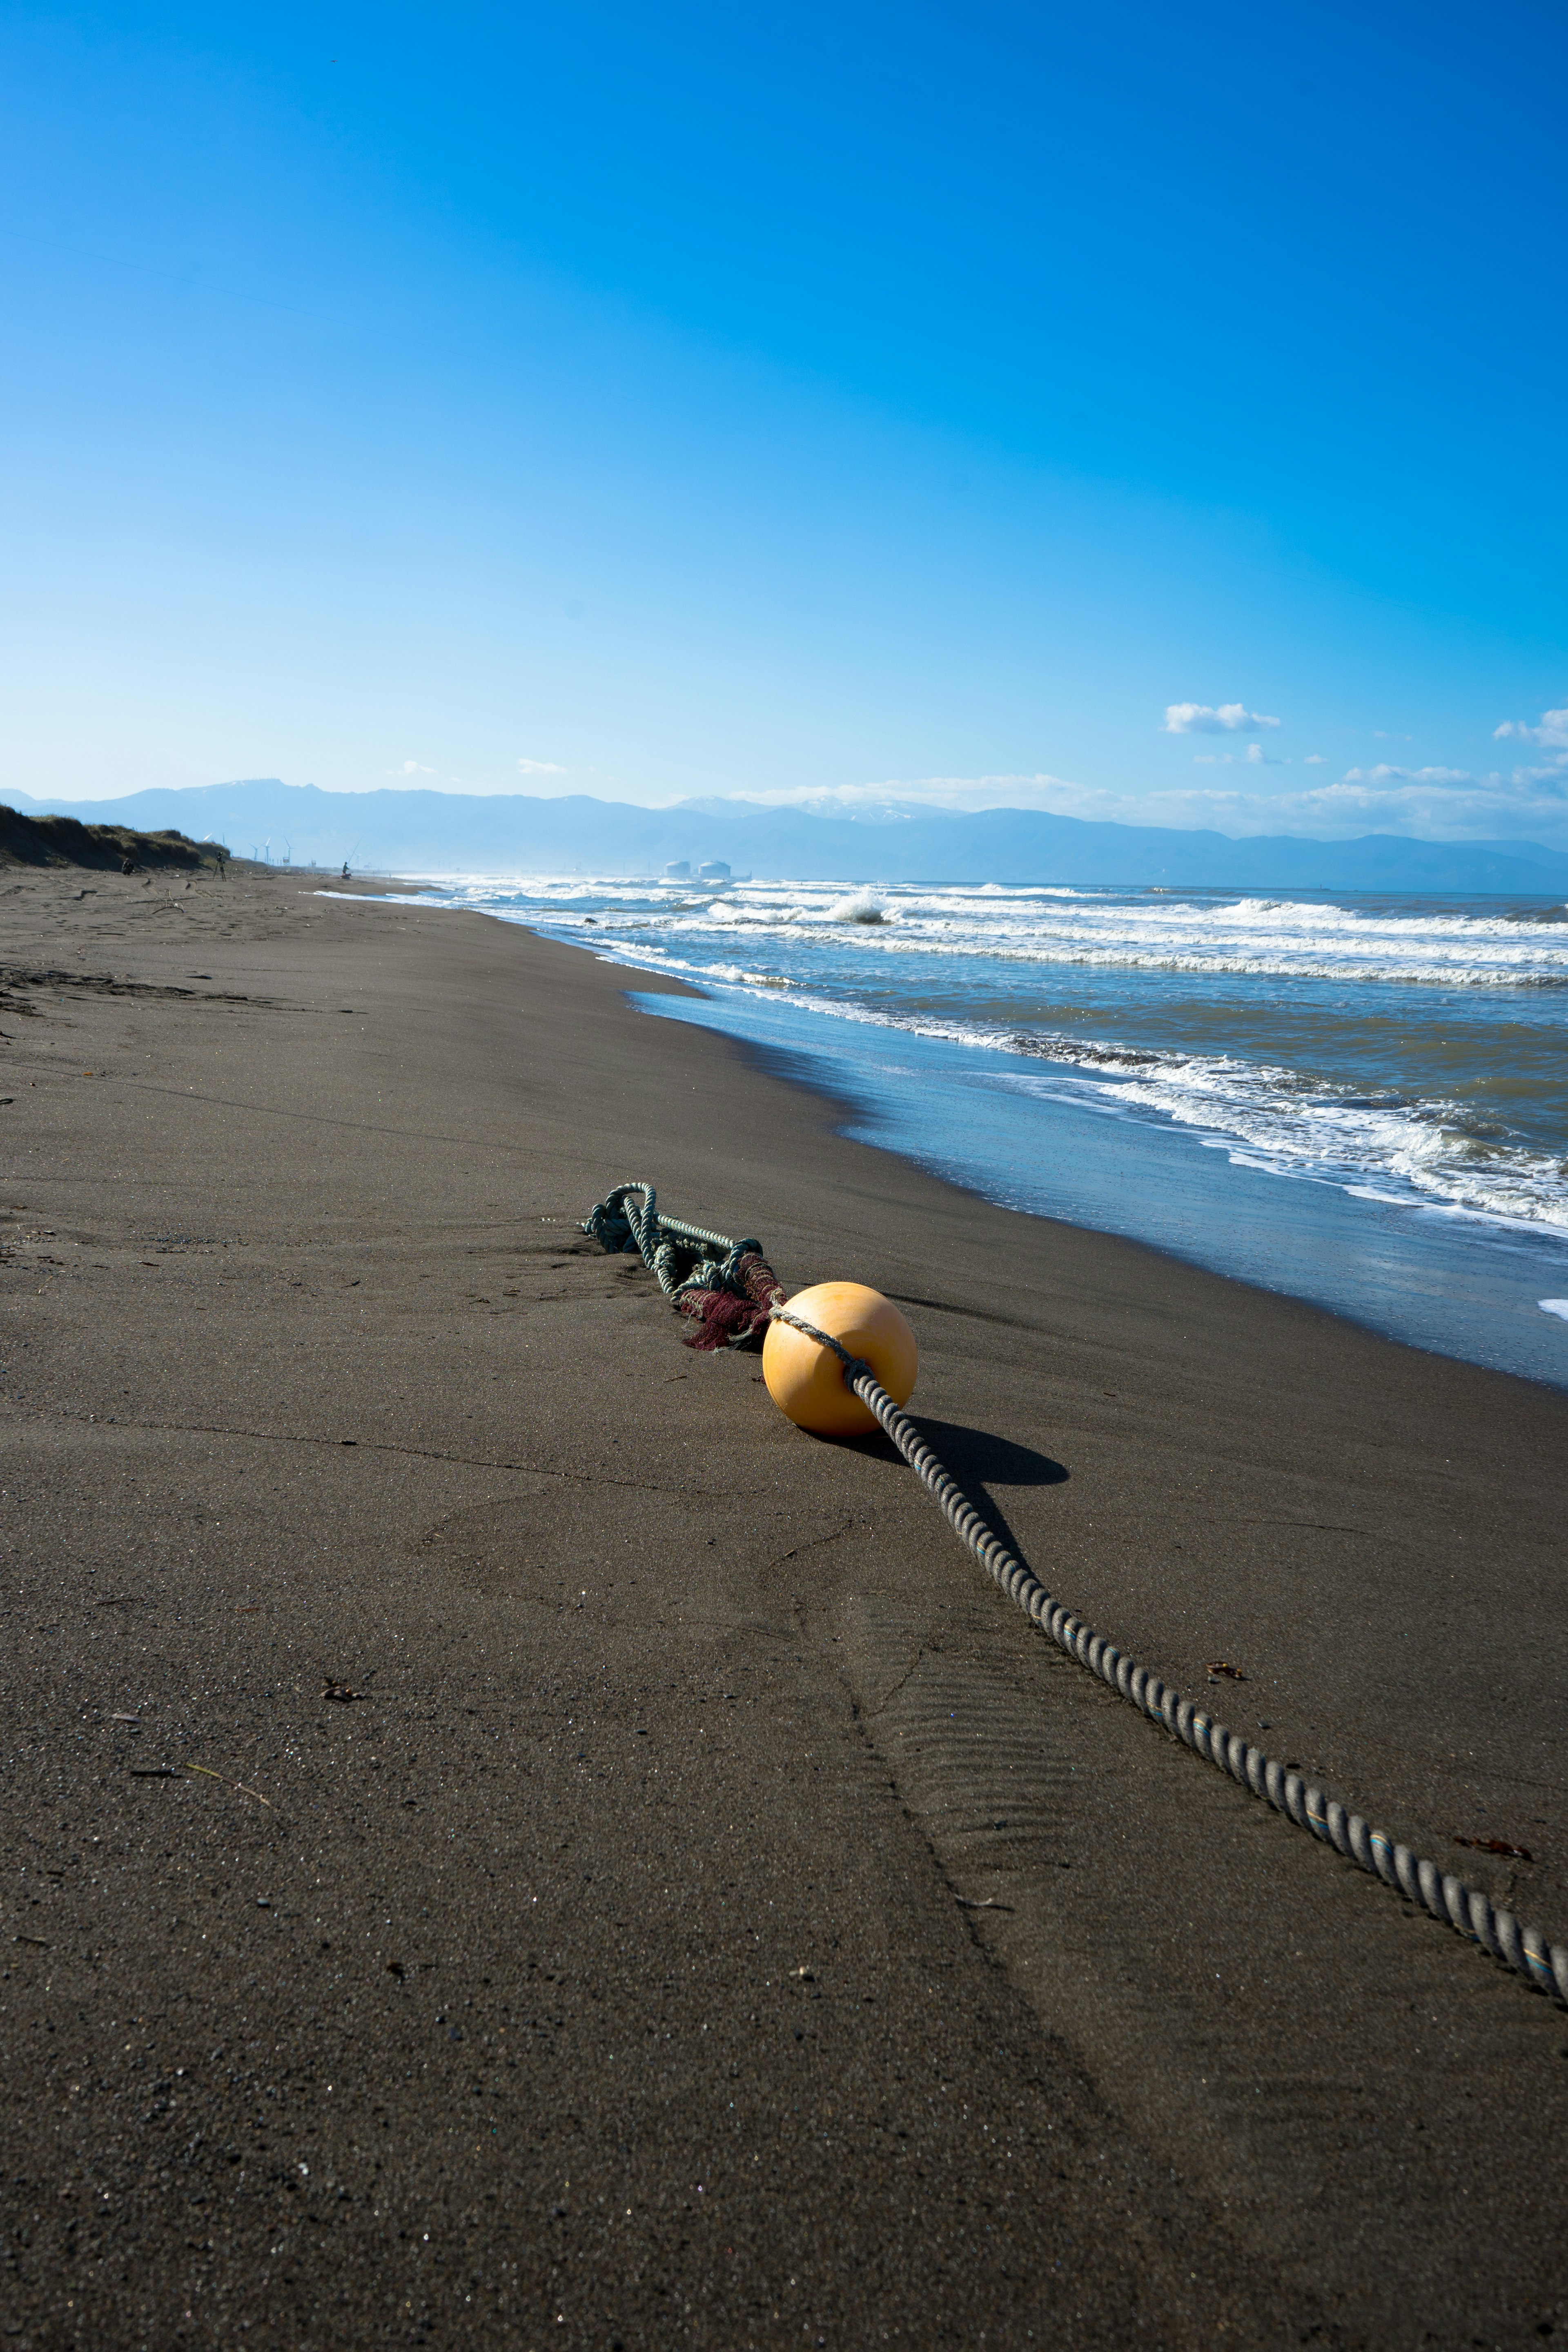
{"points": [[1411, 1046]]}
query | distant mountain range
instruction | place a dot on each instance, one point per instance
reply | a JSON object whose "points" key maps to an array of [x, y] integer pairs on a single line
{"points": [[423, 833]]}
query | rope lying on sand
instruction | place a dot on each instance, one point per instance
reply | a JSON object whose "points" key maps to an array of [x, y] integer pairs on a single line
{"points": [[728, 1294], [731, 1295]]}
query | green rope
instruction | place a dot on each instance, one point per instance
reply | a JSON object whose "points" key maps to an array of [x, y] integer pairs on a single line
{"points": [[669, 1248]]}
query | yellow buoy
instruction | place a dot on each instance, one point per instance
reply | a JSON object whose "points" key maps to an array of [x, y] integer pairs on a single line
{"points": [[806, 1381]]}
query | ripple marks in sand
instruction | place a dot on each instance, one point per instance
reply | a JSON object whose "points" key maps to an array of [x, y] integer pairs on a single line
{"points": [[1282, 2033]]}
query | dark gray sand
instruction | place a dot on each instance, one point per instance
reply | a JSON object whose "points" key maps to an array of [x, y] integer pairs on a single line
{"points": [[719, 1921]]}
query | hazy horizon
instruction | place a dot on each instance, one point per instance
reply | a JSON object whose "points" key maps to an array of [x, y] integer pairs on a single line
{"points": [[406, 831], [861, 806]]}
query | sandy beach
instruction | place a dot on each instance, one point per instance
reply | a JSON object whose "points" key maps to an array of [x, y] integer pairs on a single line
{"points": [[716, 1918]]}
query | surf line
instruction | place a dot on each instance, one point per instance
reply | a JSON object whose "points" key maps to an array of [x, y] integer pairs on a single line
{"points": [[854, 1368]]}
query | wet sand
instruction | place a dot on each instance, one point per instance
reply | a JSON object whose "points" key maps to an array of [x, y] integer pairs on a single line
{"points": [[719, 1920]]}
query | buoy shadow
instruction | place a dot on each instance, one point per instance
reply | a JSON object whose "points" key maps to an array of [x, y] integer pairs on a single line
{"points": [[970, 1454], [977, 1458]]}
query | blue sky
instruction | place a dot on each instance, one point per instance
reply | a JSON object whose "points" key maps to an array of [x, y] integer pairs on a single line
{"points": [[836, 404]]}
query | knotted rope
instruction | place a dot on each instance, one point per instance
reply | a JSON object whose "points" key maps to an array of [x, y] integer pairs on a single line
{"points": [[730, 1294], [1465, 1908]]}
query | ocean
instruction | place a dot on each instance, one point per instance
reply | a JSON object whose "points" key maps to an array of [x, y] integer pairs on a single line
{"points": [[1359, 1100]]}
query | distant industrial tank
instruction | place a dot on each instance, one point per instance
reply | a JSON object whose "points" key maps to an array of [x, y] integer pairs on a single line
{"points": [[680, 871], [714, 871]]}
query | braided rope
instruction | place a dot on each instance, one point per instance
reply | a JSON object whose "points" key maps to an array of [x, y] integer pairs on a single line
{"points": [[664, 1244], [1448, 1899]]}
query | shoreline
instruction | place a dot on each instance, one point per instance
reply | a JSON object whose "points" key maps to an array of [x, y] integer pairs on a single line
{"points": [[1400, 1247], [703, 1785], [1428, 1274]]}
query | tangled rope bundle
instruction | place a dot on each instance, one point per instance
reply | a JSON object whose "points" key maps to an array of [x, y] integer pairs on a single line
{"points": [[728, 1293], [731, 1294]]}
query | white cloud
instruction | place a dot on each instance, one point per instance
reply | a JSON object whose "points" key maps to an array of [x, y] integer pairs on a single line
{"points": [[1551, 734], [1203, 719], [411, 768], [1385, 775], [540, 767], [1257, 757], [1432, 803], [898, 796], [1314, 760]]}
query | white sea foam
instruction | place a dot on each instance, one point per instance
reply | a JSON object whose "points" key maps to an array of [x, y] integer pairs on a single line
{"points": [[858, 906], [1265, 938], [1283, 937], [854, 953], [1285, 1122], [1554, 1307]]}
